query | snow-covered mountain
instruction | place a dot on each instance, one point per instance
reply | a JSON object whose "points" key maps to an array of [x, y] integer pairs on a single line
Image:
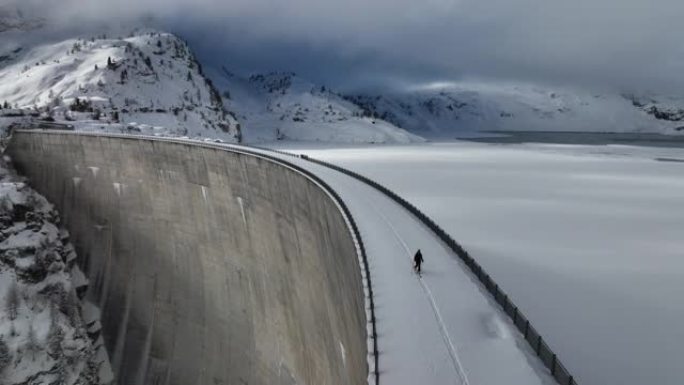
{"points": [[148, 82], [282, 106], [663, 108], [448, 110]]}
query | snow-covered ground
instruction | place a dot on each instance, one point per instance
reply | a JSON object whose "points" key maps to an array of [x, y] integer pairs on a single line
{"points": [[47, 334], [586, 240]]}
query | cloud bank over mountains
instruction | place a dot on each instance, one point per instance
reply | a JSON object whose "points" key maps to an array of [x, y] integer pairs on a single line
{"points": [[623, 44]]}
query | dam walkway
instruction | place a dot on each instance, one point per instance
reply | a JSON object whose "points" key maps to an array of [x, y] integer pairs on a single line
{"points": [[443, 327]]}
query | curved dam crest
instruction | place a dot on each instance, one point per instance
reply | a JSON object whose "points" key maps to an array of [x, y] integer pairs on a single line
{"points": [[210, 266]]}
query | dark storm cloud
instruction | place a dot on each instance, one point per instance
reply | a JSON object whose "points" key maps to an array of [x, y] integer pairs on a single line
{"points": [[621, 43]]}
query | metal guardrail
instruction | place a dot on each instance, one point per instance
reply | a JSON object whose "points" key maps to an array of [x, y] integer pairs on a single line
{"points": [[522, 323], [375, 372], [41, 124]]}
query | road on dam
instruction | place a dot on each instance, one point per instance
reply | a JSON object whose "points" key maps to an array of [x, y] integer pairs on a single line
{"points": [[443, 327], [190, 226]]}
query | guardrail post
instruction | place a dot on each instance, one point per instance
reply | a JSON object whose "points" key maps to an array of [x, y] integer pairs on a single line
{"points": [[539, 342], [527, 328], [554, 363], [515, 315]]}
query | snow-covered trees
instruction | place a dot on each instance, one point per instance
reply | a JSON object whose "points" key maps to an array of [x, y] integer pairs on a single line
{"points": [[79, 105]]}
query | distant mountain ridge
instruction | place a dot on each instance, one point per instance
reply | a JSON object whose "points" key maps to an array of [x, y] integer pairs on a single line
{"points": [[150, 82], [450, 110]]}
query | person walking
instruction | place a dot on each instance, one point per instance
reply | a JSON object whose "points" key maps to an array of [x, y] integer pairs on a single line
{"points": [[417, 261]]}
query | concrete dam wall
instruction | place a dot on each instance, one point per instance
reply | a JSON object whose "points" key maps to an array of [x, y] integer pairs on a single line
{"points": [[210, 266]]}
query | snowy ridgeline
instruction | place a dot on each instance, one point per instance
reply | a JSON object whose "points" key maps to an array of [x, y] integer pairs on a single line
{"points": [[146, 83], [447, 110], [48, 335]]}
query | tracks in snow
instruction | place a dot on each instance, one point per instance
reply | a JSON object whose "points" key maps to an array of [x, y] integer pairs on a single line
{"points": [[453, 352]]}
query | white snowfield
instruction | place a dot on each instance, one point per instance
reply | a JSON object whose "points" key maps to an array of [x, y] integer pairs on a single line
{"points": [[443, 328]]}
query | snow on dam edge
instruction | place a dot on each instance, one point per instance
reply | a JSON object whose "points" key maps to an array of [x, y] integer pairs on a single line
{"points": [[210, 266]]}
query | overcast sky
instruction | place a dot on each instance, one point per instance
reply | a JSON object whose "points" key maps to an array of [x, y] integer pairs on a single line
{"points": [[628, 44]]}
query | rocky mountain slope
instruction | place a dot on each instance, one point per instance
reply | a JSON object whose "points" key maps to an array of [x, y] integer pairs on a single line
{"points": [[48, 335], [148, 82]]}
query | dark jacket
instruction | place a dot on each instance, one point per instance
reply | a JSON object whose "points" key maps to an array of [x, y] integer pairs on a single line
{"points": [[418, 258]]}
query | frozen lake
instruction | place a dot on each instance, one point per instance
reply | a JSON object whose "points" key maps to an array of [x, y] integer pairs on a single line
{"points": [[582, 138], [587, 239]]}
